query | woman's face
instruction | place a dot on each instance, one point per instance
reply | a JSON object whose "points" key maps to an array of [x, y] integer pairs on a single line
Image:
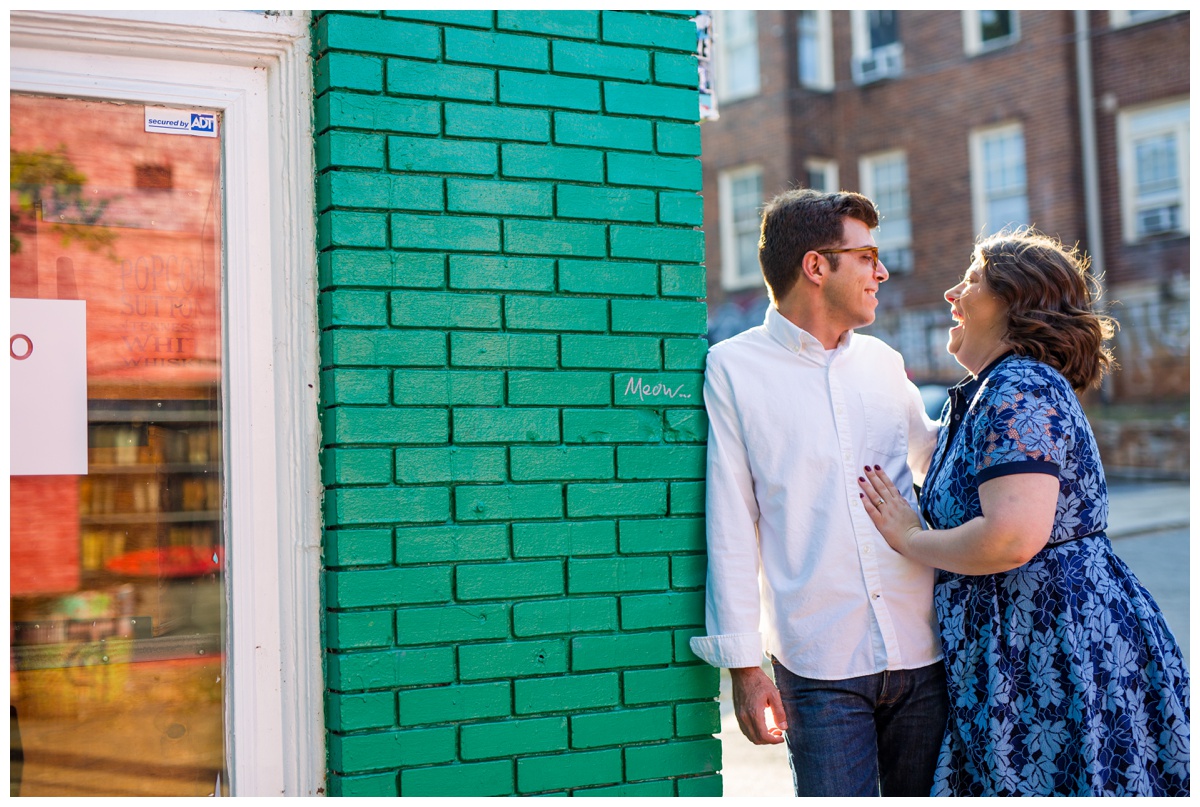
{"points": [[980, 321]]}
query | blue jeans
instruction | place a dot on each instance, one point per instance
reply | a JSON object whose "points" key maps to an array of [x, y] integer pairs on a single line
{"points": [[877, 734]]}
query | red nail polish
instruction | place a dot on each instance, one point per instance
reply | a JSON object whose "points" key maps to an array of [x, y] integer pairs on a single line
{"points": [[876, 467], [866, 467], [860, 479]]}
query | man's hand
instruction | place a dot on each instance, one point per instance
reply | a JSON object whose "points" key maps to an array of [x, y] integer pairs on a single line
{"points": [[753, 693]]}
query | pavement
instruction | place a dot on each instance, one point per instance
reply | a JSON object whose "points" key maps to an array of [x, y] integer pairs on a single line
{"points": [[1149, 525]]}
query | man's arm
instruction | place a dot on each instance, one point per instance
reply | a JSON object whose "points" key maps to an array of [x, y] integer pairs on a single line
{"points": [[753, 693]]}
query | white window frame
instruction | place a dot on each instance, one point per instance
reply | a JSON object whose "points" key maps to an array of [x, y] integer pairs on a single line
{"points": [[1174, 120], [731, 278], [888, 241], [827, 167], [860, 49], [973, 43], [823, 81], [1125, 19], [726, 92], [979, 190], [256, 69]]}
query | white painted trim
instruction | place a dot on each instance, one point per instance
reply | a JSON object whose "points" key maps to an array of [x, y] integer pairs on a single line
{"points": [[866, 181], [256, 69], [1129, 127], [724, 60], [1125, 19], [979, 191], [731, 279], [973, 43], [829, 168], [824, 80]]}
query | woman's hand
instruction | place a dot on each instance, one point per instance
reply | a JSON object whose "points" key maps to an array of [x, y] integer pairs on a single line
{"points": [[891, 512]]}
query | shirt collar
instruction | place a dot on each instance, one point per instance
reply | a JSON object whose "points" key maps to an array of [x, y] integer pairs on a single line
{"points": [[796, 339], [967, 388]]}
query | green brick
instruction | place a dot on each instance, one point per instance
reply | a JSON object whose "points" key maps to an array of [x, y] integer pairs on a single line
{"points": [[362, 34], [601, 131], [448, 387], [565, 539], [497, 123], [358, 629], [367, 710], [501, 274], [609, 426], [678, 138], [345, 71], [367, 588], [387, 191], [352, 308], [616, 575], [675, 68], [477, 779], [512, 659], [499, 197], [533, 89], [372, 784], [343, 228], [628, 650], [617, 499], [454, 703], [353, 267], [416, 466], [373, 424], [642, 536], [451, 544], [391, 749], [552, 162], [602, 277], [700, 786], [682, 173], [464, 622], [578, 24], [441, 156], [697, 718], [473, 19], [507, 502], [555, 314], [501, 50], [356, 466], [428, 309], [682, 208], [377, 113], [510, 580], [686, 425], [695, 682], [554, 238], [359, 547], [349, 386], [621, 728], [662, 610], [383, 347], [572, 615], [683, 638], [673, 759], [503, 350], [613, 352], [685, 354], [566, 693], [635, 790], [559, 771], [513, 737], [621, 98], [658, 389], [405, 77], [588, 59], [390, 668], [631, 28], [350, 506], [687, 498], [505, 426], [660, 462], [349, 150], [688, 571], [617, 204], [559, 389], [460, 233], [657, 243], [536, 464]]}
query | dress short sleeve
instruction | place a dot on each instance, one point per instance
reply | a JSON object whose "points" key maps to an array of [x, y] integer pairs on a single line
{"points": [[1023, 429]]}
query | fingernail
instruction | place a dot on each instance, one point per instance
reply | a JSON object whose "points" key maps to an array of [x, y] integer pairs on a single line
{"points": [[876, 467], [860, 496], [867, 467], [860, 479]]}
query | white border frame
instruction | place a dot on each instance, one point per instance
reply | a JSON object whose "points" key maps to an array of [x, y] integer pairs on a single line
{"points": [[866, 181], [256, 69], [723, 60], [979, 193], [829, 167], [973, 44], [824, 81], [1127, 130], [731, 279]]}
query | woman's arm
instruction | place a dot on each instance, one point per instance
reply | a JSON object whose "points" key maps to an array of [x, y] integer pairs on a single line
{"points": [[1018, 516]]}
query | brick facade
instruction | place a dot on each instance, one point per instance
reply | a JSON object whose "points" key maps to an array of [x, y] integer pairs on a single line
{"points": [[512, 314]]}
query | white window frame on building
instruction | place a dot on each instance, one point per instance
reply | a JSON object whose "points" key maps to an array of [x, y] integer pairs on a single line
{"points": [[824, 169], [740, 219], [256, 70], [884, 180], [1152, 208], [985, 192], [1124, 19], [873, 61], [975, 39], [814, 49], [735, 34]]}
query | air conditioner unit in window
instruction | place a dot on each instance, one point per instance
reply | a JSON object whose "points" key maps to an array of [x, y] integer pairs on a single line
{"points": [[880, 63], [1158, 220]]}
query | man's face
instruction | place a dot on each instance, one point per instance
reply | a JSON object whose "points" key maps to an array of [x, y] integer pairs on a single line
{"points": [[850, 290]]}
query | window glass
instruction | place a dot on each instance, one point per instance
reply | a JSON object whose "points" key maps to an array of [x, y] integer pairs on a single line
{"points": [[995, 25], [887, 180], [882, 28], [1000, 163], [746, 193], [739, 47]]}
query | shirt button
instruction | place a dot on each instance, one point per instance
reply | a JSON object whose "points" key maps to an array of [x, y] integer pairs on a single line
{"points": [[958, 417], [876, 595], [867, 549]]}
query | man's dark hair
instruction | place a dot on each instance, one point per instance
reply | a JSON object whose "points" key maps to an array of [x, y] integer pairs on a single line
{"points": [[801, 220]]}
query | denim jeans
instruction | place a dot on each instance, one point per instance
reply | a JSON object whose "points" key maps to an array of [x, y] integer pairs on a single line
{"points": [[877, 734]]}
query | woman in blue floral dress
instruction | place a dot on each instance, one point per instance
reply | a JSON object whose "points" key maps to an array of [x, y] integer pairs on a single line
{"points": [[1064, 677]]}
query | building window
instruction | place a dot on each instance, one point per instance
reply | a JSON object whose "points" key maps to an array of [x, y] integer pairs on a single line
{"points": [[1123, 19], [999, 190], [1153, 167], [814, 50], [821, 175], [741, 203], [878, 53], [885, 182], [737, 54], [985, 31]]}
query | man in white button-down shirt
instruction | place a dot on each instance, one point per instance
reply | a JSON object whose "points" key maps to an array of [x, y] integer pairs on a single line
{"points": [[797, 408]]}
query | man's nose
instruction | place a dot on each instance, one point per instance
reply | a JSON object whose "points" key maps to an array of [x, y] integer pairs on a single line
{"points": [[881, 272]]}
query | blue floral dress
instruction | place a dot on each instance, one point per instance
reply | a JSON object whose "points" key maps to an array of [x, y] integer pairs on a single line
{"points": [[1064, 678]]}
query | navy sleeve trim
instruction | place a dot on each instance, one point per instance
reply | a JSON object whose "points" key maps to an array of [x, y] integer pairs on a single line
{"points": [[1010, 468]]}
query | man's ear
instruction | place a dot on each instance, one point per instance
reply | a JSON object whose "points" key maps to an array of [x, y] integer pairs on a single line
{"points": [[812, 268]]}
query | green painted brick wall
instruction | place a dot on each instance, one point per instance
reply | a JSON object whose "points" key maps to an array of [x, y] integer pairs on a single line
{"points": [[512, 352]]}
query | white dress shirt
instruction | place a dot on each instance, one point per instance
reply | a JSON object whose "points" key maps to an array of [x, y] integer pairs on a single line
{"points": [[796, 568]]}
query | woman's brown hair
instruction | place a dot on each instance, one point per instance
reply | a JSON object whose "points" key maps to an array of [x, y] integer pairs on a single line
{"points": [[1050, 297]]}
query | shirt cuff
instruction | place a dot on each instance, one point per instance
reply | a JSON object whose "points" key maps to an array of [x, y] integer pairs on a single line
{"points": [[730, 650]]}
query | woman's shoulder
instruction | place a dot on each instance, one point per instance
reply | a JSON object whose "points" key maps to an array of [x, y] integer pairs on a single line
{"points": [[1024, 375]]}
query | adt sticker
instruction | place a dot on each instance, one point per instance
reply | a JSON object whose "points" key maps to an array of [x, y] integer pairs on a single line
{"points": [[181, 122]]}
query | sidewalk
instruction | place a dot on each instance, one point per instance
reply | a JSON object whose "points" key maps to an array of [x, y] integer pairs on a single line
{"points": [[1149, 527]]}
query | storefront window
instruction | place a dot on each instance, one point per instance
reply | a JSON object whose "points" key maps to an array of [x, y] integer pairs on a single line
{"points": [[117, 575]]}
